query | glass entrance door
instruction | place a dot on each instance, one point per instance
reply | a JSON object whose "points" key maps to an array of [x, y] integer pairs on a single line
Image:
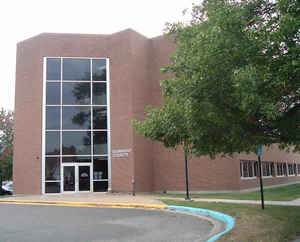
{"points": [[84, 178], [76, 177], [69, 178]]}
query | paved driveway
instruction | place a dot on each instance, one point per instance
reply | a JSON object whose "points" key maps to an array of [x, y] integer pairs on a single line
{"points": [[52, 223]]}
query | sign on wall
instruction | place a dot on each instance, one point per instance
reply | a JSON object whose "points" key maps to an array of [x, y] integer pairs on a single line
{"points": [[120, 153]]}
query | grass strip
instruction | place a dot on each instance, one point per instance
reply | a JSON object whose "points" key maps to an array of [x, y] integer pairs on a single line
{"points": [[284, 193], [274, 224]]}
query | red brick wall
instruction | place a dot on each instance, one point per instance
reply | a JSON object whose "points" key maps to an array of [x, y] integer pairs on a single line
{"points": [[135, 63], [27, 167], [28, 106], [272, 154]]}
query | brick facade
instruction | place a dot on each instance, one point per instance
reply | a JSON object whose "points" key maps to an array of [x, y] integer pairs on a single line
{"points": [[135, 63]]}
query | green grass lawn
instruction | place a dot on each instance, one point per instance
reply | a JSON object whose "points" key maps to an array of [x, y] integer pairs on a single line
{"points": [[274, 224], [4, 196], [284, 193]]}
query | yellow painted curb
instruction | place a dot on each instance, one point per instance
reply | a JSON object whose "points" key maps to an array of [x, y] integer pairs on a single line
{"points": [[86, 204]]}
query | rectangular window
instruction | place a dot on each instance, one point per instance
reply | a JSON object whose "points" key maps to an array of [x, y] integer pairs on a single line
{"points": [[99, 93], [266, 169], [76, 93], [256, 173], [76, 69], [76, 142], [291, 170], [248, 168], [53, 93], [99, 118], [52, 118], [100, 168], [280, 171], [99, 70], [52, 168], [53, 69], [52, 187], [52, 143], [100, 142], [76, 117], [272, 169], [75, 120], [100, 186]]}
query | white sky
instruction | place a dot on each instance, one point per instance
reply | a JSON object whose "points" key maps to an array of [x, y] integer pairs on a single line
{"points": [[21, 19]]}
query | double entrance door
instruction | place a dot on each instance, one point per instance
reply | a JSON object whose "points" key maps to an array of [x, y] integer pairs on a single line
{"points": [[76, 177]]}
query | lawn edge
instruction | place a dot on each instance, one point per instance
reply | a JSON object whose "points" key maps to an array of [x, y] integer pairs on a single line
{"points": [[228, 220]]}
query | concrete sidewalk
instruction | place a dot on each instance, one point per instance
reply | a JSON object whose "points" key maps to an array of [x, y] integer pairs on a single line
{"points": [[88, 198], [295, 202], [140, 198]]}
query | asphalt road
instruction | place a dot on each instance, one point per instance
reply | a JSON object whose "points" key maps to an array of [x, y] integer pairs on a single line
{"points": [[52, 223]]}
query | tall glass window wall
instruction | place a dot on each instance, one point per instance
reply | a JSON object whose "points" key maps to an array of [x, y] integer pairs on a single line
{"points": [[76, 126]]}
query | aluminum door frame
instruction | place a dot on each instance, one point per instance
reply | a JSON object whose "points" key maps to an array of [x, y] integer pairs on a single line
{"points": [[76, 166]]}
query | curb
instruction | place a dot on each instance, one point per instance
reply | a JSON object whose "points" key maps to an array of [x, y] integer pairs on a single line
{"points": [[86, 204], [228, 220]]}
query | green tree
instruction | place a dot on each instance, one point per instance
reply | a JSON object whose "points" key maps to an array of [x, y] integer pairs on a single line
{"points": [[237, 62], [6, 143], [170, 125]]}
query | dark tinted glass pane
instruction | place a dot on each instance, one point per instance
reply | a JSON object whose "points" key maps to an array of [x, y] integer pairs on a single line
{"points": [[52, 143], [53, 69], [100, 142], [84, 178], [99, 93], [100, 168], [76, 69], [99, 69], [100, 186], [76, 143], [77, 159], [53, 118], [52, 168], [76, 118], [76, 93], [69, 178], [99, 118], [53, 93], [52, 187]]}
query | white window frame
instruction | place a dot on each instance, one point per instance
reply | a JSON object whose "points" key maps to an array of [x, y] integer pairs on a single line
{"points": [[108, 130], [288, 169], [281, 164], [246, 162], [76, 167]]}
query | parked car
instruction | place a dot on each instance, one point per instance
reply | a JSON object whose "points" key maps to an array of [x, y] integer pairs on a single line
{"points": [[7, 188]]}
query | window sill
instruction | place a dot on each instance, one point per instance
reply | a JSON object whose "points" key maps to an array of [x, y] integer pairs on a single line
{"points": [[248, 178]]}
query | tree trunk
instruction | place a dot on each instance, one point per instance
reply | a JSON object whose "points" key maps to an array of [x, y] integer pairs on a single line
{"points": [[186, 176]]}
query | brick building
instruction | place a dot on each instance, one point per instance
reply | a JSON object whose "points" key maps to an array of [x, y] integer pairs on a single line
{"points": [[76, 95]]}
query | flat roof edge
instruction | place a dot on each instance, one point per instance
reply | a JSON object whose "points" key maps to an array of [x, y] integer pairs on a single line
{"points": [[53, 34]]}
